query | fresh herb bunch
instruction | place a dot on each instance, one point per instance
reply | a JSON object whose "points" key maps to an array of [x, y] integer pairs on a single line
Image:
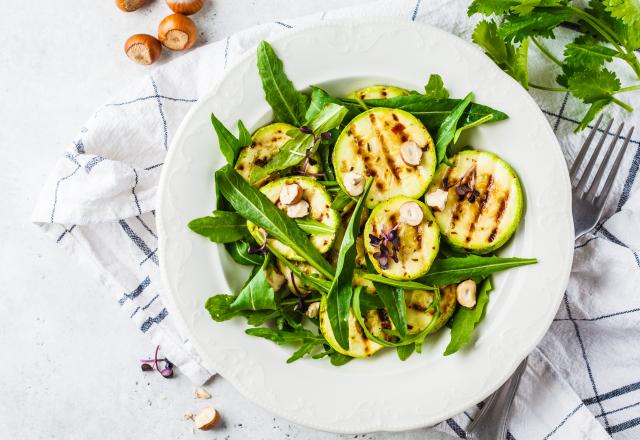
{"points": [[286, 301], [605, 31]]}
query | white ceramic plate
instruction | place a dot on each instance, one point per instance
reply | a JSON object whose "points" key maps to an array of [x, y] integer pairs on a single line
{"points": [[380, 393]]}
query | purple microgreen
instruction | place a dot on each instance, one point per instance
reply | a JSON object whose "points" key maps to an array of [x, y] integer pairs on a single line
{"points": [[259, 249], [462, 190], [383, 242], [326, 136], [146, 367], [152, 364], [306, 130], [167, 372]]}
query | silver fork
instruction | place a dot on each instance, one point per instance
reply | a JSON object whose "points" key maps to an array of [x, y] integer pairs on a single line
{"points": [[588, 198]]}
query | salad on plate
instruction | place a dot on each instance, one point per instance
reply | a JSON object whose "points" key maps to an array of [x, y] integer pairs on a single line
{"points": [[367, 222]]}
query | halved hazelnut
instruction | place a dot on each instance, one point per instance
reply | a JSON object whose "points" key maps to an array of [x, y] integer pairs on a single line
{"points": [[275, 279], [313, 310], [290, 194], [177, 32], [201, 393], [353, 183], [130, 5], [185, 7], [143, 49], [299, 210], [437, 200], [466, 294], [206, 418], [411, 153], [411, 213]]}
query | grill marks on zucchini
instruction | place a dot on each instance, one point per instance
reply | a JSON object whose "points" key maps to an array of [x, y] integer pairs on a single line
{"points": [[378, 92], [483, 222], [370, 145]]}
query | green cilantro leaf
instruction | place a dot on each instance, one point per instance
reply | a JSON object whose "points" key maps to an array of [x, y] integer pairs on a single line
{"points": [[594, 109], [542, 23], [589, 56], [626, 10], [526, 7], [490, 7], [435, 88], [594, 85], [509, 58]]}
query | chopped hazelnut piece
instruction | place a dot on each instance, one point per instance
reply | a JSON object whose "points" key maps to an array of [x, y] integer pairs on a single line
{"points": [[299, 210], [353, 183], [290, 194], [437, 200], [411, 214], [466, 293], [411, 153]]}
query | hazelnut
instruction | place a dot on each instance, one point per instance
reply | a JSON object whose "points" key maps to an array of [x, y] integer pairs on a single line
{"points": [[299, 210], [143, 49], [275, 279], [130, 5], [290, 194], [177, 32], [201, 393], [466, 294], [411, 153], [206, 418], [437, 200], [353, 183], [185, 7], [313, 310], [411, 213]]}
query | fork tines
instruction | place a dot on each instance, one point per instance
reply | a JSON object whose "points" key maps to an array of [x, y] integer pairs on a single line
{"points": [[585, 183]]}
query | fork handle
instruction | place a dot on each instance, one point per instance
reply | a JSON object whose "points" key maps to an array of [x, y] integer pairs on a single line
{"points": [[491, 421]]}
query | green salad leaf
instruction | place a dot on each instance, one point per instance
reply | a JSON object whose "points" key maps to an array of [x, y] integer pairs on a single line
{"points": [[306, 338], [239, 251], [341, 291], [257, 208], [591, 86], [244, 137], [219, 307], [404, 351], [392, 298], [257, 294], [221, 227], [295, 149], [517, 27], [407, 285], [435, 88], [314, 227], [453, 270], [287, 103], [464, 321], [230, 146], [447, 130]]}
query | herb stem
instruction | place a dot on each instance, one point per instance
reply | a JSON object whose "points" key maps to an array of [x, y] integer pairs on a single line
{"points": [[624, 105], [599, 26], [545, 51], [548, 89], [629, 88]]}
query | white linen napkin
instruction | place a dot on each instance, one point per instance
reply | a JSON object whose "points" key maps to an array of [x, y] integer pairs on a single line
{"points": [[583, 381]]}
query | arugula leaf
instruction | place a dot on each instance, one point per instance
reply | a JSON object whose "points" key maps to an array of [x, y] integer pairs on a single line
{"points": [[221, 227], [435, 88], [239, 251], [407, 285], [257, 294], [393, 300], [244, 137], [542, 23], [341, 201], [257, 208], [404, 351], [324, 151], [308, 339], [219, 307], [229, 144], [294, 150], [339, 359], [447, 130], [465, 320], [319, 284], [462, 128], [509, 58], [341, 291], [593, 86], [314, 227], [453, 270], [628, 11], [287, 103]]}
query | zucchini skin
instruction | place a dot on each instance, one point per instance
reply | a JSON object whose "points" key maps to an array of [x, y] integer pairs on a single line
{"points": [[378, 92], [492, 185], [370, 145]]}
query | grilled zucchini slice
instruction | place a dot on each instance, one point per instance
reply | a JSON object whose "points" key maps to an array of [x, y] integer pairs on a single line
{"points": [[359, 345], [482, 223], [418, 245], [370, 145], [265, 143], [319, 209], [418, 301], [378, 92]]}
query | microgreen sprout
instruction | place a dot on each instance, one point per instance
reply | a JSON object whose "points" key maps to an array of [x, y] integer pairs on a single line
{"points": [[259, 249], [167, 368], [383, 242]]}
